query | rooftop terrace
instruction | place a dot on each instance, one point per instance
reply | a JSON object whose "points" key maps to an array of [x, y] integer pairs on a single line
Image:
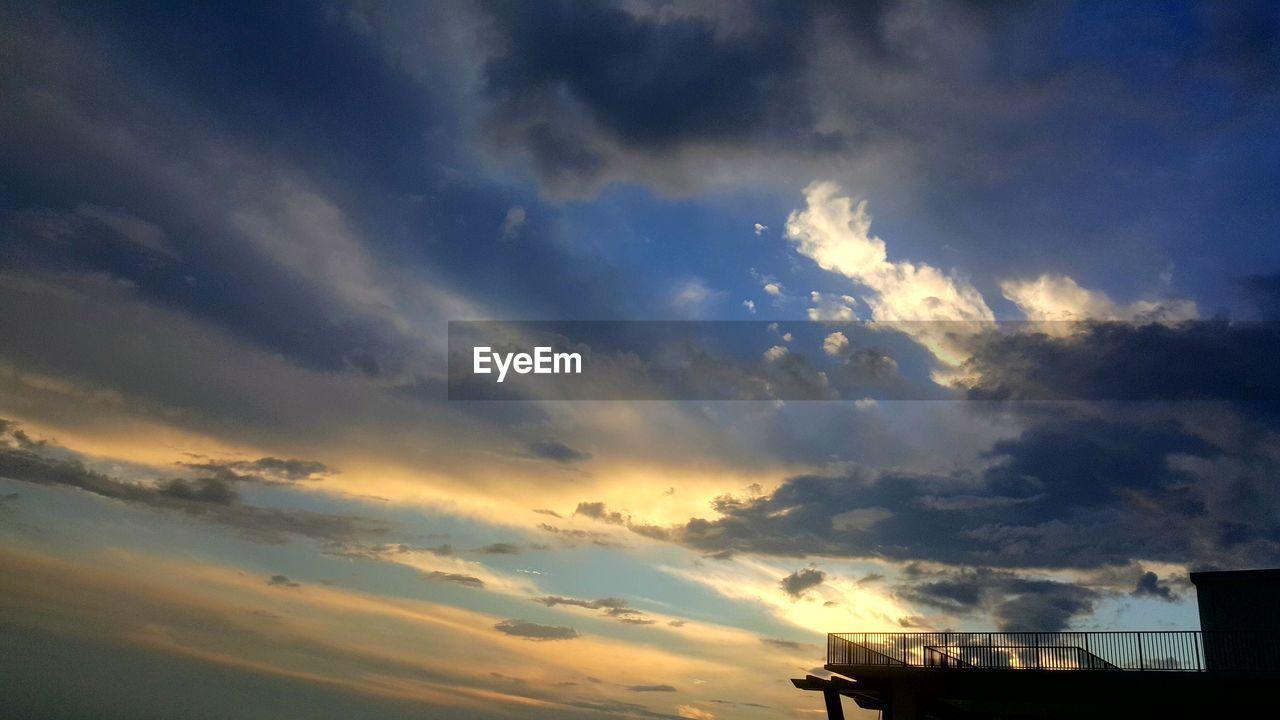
{"points": [[1173, 651], [1228, 668]]}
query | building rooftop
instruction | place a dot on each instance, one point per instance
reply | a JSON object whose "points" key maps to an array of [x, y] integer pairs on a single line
{"points": [[1264, 575], [1229, 666]]}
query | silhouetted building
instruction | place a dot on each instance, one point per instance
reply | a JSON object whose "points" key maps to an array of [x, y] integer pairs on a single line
{"points": [[1234, 605], [1228, 668]]}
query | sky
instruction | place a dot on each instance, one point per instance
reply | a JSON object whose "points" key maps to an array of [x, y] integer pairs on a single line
{"points": [[233, 236]]}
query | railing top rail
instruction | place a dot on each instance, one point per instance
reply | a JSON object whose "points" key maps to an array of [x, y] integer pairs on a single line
{"points": [[1041, 632]]}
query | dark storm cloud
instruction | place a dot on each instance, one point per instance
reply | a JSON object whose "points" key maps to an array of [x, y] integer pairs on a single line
{"points": [[837, 79], [1225, 497], [567, 533], [563, 85], [290, 468], [1044, 612], [1198, 360], [1149, 585], [267, 469], [610, 606], [941, 110], [559, 452], [1083, 484], [204, 490], [534, 631], [561, 158], [263, 146], [651, 688], [67, 212], [571, 536], [695, 83], [799, 581], [598, 511], [12, 434], [215, 499], [456, 578], [654, 532], [282, 581], [1083, 493], [1018, 604], [1109, 501], [602, 603]]}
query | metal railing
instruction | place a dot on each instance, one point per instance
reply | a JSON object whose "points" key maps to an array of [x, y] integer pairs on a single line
{"points": [[1184, 650]]}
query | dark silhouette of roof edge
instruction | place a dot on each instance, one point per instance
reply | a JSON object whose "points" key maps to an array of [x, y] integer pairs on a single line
{"points": [[1232, 575]]}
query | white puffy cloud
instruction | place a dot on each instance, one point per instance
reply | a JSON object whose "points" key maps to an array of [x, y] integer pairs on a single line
{"points": [[750, 305], [691, 298], [834, 343], [836, 234], [831, 308], [761, 228], [774, 353], [1060, 298], [773, 288], [694, 713]]}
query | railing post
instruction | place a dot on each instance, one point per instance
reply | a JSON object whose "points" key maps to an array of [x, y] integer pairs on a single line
{"points": [[1141, 663]]}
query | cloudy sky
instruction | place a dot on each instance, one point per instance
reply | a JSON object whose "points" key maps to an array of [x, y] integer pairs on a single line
{"points": [[231, 238]]}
